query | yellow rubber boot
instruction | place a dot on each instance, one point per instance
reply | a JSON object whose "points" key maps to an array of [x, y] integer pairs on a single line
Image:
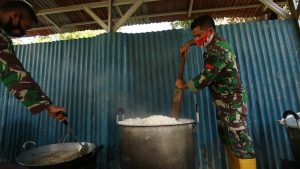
{"points": [[247, 163], [233, 161]]}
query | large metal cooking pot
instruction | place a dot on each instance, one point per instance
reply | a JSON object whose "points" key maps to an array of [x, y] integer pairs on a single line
{"points": [[158, 146], [58, 156]]}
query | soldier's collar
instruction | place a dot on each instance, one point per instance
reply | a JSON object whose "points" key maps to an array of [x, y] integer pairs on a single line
{"points": [[214, 40]]}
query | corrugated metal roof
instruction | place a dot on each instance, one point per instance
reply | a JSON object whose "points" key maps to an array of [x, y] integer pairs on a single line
{"points": [[54, 19], [93, 77]]}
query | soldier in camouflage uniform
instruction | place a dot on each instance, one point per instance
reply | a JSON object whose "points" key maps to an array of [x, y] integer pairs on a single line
{"points": [[221, 76], [15, 18]]}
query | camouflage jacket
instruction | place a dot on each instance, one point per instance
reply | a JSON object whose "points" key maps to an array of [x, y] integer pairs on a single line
{"points": [[17, 80], [220, 72]]}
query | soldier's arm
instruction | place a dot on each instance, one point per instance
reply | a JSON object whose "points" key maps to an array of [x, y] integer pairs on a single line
{"points": [[213, 65], [184, 48], [19, 82]]}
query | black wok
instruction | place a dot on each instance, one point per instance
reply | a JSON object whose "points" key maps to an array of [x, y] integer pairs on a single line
{"points": [[58, 156]]}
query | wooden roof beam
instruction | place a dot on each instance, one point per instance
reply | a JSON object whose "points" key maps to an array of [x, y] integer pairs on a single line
{"points": [[56, 27], [89, 5], [298, 11], [275, 8], [96, 18], [159, 14], [109, 19], [190, 8], [118, 9], [293, 7], [128, 14]]}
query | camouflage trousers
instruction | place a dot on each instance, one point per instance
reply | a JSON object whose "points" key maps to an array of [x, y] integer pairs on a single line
{"points": [[232, 127]]}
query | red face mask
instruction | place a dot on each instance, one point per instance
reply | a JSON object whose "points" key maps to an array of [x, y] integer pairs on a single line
{"points": [[203, 39]]}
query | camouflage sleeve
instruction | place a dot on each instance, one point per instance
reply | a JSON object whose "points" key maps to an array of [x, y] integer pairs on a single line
{"points": [[213, 65], [18, 81]]}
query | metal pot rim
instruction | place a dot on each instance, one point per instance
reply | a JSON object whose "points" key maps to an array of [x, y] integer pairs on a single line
{"points": [[183, 122], [21, 162]]}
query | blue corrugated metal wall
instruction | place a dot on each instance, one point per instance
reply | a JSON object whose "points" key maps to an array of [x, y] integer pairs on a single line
{"points": [[93, 77]]}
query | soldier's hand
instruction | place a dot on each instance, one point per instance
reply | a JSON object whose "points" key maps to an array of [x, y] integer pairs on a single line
{"points": [[54, 111], [184, 49], [180, 84]]}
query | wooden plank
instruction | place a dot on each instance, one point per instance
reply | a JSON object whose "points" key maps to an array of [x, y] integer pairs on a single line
{"points": [[177, 97]]}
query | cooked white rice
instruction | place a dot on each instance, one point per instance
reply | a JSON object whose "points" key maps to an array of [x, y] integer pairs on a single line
{"points": [[151, 120]]}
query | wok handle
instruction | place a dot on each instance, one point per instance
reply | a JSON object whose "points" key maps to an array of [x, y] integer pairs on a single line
{"points": [[25, 147], [65, 115], [97, 149], [197, 113], [289, 112], [120, 112]]}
